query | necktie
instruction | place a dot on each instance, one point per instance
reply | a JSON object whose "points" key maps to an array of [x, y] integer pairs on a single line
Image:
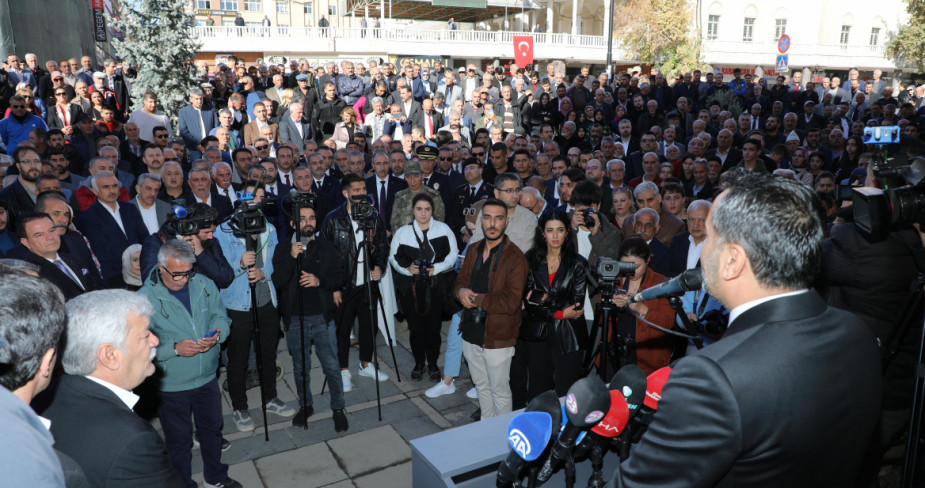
{"points": [[471, 192], [430, 122], [287, 180], [425, 181], [226, 193], [382, 198], [63, 268]]}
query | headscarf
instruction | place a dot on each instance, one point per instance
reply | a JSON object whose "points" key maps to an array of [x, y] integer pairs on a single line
{"points": [[565, 112], [128, 275]]}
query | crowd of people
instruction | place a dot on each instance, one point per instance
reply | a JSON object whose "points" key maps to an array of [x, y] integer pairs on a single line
{"points": [[495, 193]]}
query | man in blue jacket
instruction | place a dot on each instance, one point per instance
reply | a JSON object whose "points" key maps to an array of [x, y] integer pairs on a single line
{"points": [[15, 128], [189, 321]]}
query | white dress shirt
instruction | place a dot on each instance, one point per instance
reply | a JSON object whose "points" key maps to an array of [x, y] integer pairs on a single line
{"points": [[115, 215], [735, 312], [127, 397], [149, 216]]}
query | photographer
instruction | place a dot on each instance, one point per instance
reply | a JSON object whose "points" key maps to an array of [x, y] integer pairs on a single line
{"points": [[592, 233], [344, 232], [314, 284], [251, 267], [651, 348], [210, 261], [553, 335], [423, 253]]}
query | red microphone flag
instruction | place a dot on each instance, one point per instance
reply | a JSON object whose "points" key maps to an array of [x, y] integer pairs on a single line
{"points": [[523, 50], [654, 384]]}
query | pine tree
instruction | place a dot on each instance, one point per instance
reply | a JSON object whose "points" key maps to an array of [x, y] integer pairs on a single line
{"points": [[158, 42]]}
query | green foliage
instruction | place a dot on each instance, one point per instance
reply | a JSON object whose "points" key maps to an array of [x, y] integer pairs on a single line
{"points": [[160, 45], [659, 32], [908, 46], [728, 100]]}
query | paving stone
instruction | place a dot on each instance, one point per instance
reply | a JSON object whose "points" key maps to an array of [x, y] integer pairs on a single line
{"points": [[393, 477], [371, 450], [306, 467]]}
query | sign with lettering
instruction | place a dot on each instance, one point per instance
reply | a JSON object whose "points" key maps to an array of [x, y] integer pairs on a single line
{"points": [[99, 25]]}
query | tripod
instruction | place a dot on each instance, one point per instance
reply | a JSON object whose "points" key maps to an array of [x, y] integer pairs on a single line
{"points": [[250, 243], [606, 313]]}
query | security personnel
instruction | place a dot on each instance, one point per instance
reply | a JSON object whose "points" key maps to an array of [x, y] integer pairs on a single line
{"points": [[402, 210], [465, 196]]}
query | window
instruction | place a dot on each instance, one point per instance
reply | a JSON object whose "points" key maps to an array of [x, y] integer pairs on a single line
{"points": [[712, 27], [780, 28], [332, 9], [845, 34], [282, 7], [748, 29], [200, 23], [307, 8], [204, 4], [253, 5], [875, 36], [229, 4], [227, 23]]}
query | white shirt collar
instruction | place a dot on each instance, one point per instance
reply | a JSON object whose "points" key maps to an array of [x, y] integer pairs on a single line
{"points": [[127, 397], [735, 312]]}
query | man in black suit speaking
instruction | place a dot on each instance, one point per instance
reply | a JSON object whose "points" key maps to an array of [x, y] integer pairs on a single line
{"points": [[776, 402], [108, 353]]}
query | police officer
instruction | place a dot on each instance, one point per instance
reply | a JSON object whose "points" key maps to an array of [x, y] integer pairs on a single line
{"points": [[464, 196]]}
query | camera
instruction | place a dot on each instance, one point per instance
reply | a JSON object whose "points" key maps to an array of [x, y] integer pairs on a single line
{"points": [[589, 221], [362, 210], [876, 211], [183, 222], [609, 270], [423, 264], [713, 323], [298, 200], [248, 218]]}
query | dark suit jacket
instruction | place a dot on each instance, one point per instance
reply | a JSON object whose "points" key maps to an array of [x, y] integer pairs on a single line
{"points": [[114, 446], [438, 121], [83, 270], [289, 132], [394, 186], [107, 238], [220, 203], [162, 209], [414, 111], [772, 404], [19, 201], [53, 116], [388, 128], [461, 204], [733, 158], [331, 189], [441, 182], [677, 254]]}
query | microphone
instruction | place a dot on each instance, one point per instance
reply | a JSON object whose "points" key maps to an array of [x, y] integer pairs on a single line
{"points": [[528, 435], [611, 426], [654, 384], [689, 280], [585, 404], [629, 382]]}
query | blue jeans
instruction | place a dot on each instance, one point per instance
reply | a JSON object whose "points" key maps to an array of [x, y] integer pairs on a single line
{"points": [[174, 409], [324, 336], [454, 342]]}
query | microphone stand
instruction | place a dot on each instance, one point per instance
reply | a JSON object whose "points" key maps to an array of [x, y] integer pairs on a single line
{"points": [[250, 243], [686, 325]]}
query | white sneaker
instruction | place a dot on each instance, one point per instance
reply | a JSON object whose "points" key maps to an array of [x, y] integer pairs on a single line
{"points": [[345, 378], [472, 393], [370, 372], [441, 389]]}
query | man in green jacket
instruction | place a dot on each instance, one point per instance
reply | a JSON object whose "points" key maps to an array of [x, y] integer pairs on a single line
{"points": [[189, 320]]}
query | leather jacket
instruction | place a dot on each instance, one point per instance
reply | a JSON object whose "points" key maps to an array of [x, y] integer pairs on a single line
{"points": [[568, 288], [338, 230]]}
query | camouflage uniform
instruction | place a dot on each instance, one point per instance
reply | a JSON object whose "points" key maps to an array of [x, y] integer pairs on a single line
{"points": [[402, 212]]}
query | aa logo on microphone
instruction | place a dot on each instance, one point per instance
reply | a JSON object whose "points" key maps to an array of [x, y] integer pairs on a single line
{"points": [[571, 403], [519, 443]]}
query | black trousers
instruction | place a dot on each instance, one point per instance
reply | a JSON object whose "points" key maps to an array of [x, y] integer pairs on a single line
{"points": [[354, 306], [239, 349], [541, 366], [423, 323]]}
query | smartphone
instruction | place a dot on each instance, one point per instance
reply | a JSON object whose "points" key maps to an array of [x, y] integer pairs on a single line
{"points": [[536, 296], [211, 333]]}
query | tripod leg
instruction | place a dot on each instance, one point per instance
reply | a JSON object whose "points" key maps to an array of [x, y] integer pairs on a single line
{"points": [[260, 365]]}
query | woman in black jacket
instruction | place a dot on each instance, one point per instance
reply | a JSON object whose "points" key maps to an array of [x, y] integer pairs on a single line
{"points": [[555, 295]]}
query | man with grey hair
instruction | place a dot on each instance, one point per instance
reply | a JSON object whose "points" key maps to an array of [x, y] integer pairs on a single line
{"points": [[196, 121], [109, 225], [646, 224], [109, 352], [648, 195], [190, 321]]}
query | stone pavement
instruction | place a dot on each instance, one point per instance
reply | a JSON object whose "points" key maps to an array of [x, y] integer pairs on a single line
{"points": [[370, 454]]}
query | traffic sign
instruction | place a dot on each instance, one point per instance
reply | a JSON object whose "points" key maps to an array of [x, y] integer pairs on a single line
{"points": [[783, 44], [782, 63]]}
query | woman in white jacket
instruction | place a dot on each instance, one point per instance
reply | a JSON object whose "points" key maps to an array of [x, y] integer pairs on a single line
{"points": [[423, 254]]}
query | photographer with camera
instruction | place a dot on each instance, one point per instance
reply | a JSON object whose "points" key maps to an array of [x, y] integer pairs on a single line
{"points": [[422, 254], [314, 285], [342, 227], [649, 348], [197, 229], [553, 335], [252, 264]]}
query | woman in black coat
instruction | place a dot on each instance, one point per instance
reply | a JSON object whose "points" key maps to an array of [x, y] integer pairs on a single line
{"points": [[555, 295]]}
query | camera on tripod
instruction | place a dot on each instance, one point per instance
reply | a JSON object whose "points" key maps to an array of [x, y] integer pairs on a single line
{"points": [[183, 221], [298, 199], [903, 202], [248, 218], [609, 270], [362, 210]]}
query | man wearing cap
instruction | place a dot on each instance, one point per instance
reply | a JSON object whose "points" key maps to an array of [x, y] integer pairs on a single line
{"points": [[810, 119], [475, 189], [434, 179], [414, 176]]}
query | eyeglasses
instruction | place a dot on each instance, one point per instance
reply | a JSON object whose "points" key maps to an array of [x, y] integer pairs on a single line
{"points": [[181, 275], [161, 136], [172, 159], [17, 106], [30, 162], [261, 148], [511, 190]]}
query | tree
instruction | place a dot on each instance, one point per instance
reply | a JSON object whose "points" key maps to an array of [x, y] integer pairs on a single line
{"points": [[908, 46], [660, 33], [158, 43]]}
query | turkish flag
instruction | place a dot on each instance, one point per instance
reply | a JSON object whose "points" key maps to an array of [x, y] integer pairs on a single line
{"points": [[523, 50]]}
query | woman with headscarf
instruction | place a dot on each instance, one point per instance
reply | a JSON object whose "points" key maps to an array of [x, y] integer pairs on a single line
{"points": [[131, 270]]}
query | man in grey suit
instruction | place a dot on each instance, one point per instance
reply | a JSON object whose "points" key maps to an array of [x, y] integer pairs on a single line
{"points": [[294, 129], [774, 403], [153, 211], [196, 121]]}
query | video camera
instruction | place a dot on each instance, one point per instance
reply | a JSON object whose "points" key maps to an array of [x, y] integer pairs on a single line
{"points": [[297, 199], [362, 210], [903, 199], [248, 218], [609, 270], [183, 222]]}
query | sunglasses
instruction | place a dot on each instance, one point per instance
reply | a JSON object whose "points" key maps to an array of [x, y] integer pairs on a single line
{"points": [[17, 106], [26, 97], [161, 136], [58, 79], [60, 94], [261, 148]]}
